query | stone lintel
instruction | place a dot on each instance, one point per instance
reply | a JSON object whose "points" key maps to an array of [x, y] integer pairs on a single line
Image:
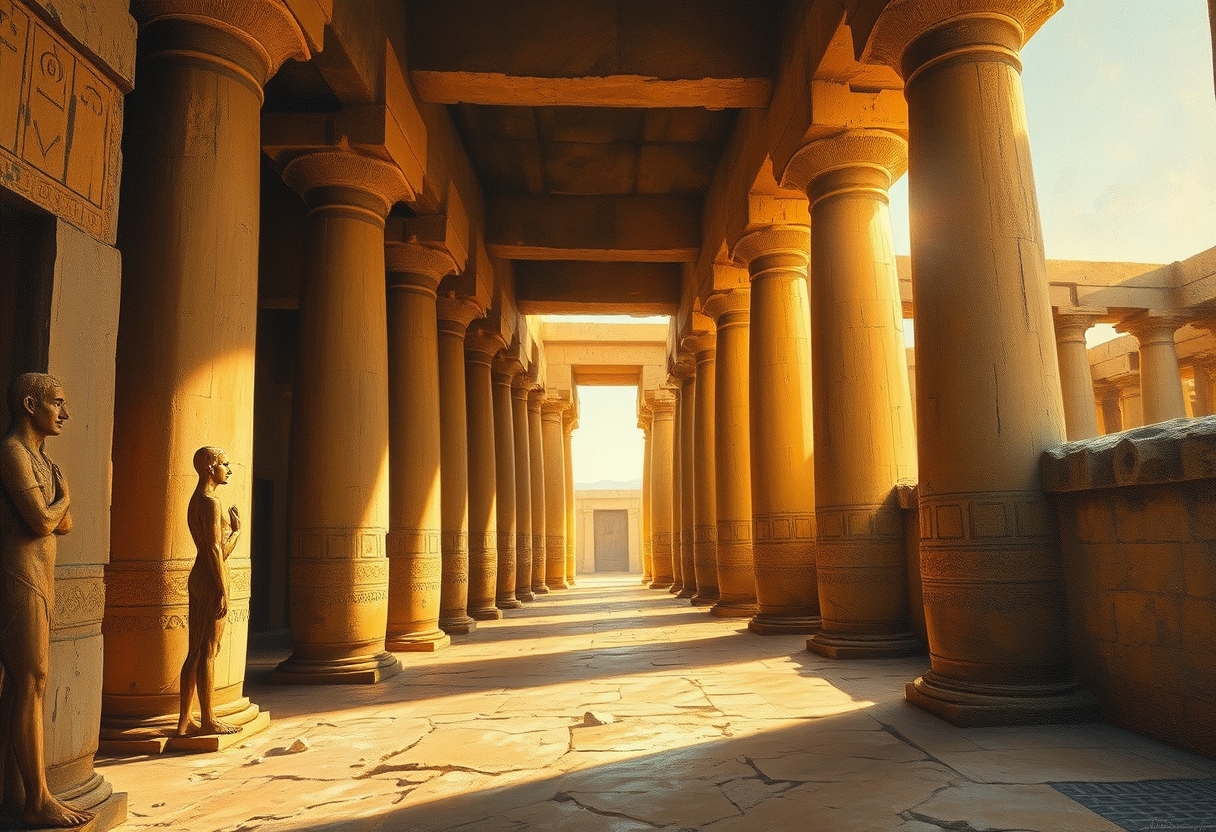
{"points": [[579, 287], [638, 228], [1179, 450]]}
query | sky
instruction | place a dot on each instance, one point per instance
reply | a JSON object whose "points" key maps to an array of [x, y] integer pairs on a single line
{"points": [[1122, 115]]}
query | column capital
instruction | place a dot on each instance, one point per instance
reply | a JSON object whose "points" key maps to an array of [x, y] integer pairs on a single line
{"points": [[455, 313], [1071, 323], [569, 419], [522, 384], [684, 366], [418, 264], [330, 177], [535, 397], [793, 241], [909, 35], [553, 406], [483, 344], [507, 365], [850, 155], [266, 27], [702, 345], [1152, 326], [662, 406], [736, 303]]}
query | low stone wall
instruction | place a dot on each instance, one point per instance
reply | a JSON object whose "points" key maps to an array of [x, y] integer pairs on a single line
{"points": [[1137, 516]]}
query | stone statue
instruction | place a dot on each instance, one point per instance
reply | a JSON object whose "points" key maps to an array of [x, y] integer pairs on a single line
{"points": [[33, 509], [215, 535]]}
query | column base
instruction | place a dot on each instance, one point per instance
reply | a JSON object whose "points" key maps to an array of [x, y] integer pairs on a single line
{"points": [[525, 595], [508, 603], [676, 588], [734, 609], [843, 646], [687, 593], [540, 589], [561, 585], [430, 641], [705, 599], [771, 624], [975, 706], [459, 626], [486, 614], [152, 735], [659, 585], [359, 671]]}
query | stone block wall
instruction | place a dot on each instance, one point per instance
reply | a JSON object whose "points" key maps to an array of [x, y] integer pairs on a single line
{"points": [[1137, 514]]}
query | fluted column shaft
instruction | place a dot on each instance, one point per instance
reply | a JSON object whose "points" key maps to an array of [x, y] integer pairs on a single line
{"points": [[479, 350], [340, 452], [988, 392], [661, 470], [863, 409], [1160, 378], [704, 479], [732, 456], [1076, 378], [536, 453], [520, 386], [454, 317], [415, 506], [504, 467], [688, 479], [555, 492], [568, 426], [782, 441]]}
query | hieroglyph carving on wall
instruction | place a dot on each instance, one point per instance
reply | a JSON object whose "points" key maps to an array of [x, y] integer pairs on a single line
{"points": [[60, 124]]}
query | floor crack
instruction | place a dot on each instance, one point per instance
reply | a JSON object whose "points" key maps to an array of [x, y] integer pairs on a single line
{"points": [[566, 797]]}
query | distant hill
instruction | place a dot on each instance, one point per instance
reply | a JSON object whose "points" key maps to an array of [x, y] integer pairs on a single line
{"points": [[608, 485]]}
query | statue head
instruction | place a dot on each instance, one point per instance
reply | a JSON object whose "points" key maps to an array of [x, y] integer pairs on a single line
{"points": [[211, 463], [39, 398]]}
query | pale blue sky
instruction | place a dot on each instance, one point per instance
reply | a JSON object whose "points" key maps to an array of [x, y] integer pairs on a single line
{"points": [[1122, 114]]}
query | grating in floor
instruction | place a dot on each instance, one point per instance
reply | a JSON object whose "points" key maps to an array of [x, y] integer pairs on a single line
{"points": [[1150, 805]]}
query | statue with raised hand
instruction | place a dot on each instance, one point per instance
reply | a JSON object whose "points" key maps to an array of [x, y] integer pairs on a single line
{"points": [[33, 510], [215, 534]]}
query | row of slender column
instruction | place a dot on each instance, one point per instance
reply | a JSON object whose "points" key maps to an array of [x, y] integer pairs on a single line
{"points": [[828, 371]]}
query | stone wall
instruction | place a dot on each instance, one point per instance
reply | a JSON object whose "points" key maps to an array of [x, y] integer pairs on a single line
{"points": [[1138, 522]]}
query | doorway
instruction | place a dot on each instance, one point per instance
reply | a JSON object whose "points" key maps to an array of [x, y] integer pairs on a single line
{"points": [[611, 540]]}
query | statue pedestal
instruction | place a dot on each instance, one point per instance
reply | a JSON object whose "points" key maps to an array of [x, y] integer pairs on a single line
{"points": [[206, 743]]}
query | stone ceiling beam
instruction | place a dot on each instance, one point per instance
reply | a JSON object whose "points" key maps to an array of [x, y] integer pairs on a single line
{"points": [[639, 229], [575, 287], [617, 53]]}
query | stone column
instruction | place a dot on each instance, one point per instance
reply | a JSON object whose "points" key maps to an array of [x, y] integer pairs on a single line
{"points": [[644, 422], [340, 431], [536, 452], [504, 372], [732, 455], [185, 353], [863, 415], [454, 316], [988, 392], [480, 346], [1131, 412], [415, 507], [782, 446], [569, 423], [1076, 380], [555, 492], [1160, 379], [520, 386], [704, 478], [662, 409], [686, 518], [1205, 405], [1108, 399]]}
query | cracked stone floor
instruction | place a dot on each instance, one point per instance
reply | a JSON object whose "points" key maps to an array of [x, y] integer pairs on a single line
{"points": [[715, 729]]}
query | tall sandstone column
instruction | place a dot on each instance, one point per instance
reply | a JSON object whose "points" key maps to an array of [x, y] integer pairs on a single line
{"points": [[454, 316], [732, 455], [536, 456], [988, 391], [1076, 378], [645, 422], [520, 385], [185, 354], [503, 373], [569, 423], [1160, 378], [662, 409], [340, 431], [704, 478], [687, 518], [675, 497], [479, 349], [555, 492], [415, 507], [863, 410], [782, 446]]}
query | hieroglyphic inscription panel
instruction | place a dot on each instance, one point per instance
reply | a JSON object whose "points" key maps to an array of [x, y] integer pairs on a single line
{"points": [[60, 124]]}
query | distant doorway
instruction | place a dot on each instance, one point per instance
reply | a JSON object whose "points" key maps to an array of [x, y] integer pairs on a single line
{"points": [[611, 540]]}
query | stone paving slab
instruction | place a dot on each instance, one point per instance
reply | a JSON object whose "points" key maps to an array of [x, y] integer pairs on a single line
{"points": [[714, 729]]}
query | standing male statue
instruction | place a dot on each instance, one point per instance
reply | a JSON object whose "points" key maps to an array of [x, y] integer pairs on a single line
{"points": [[215, 535], [33, 509]]}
